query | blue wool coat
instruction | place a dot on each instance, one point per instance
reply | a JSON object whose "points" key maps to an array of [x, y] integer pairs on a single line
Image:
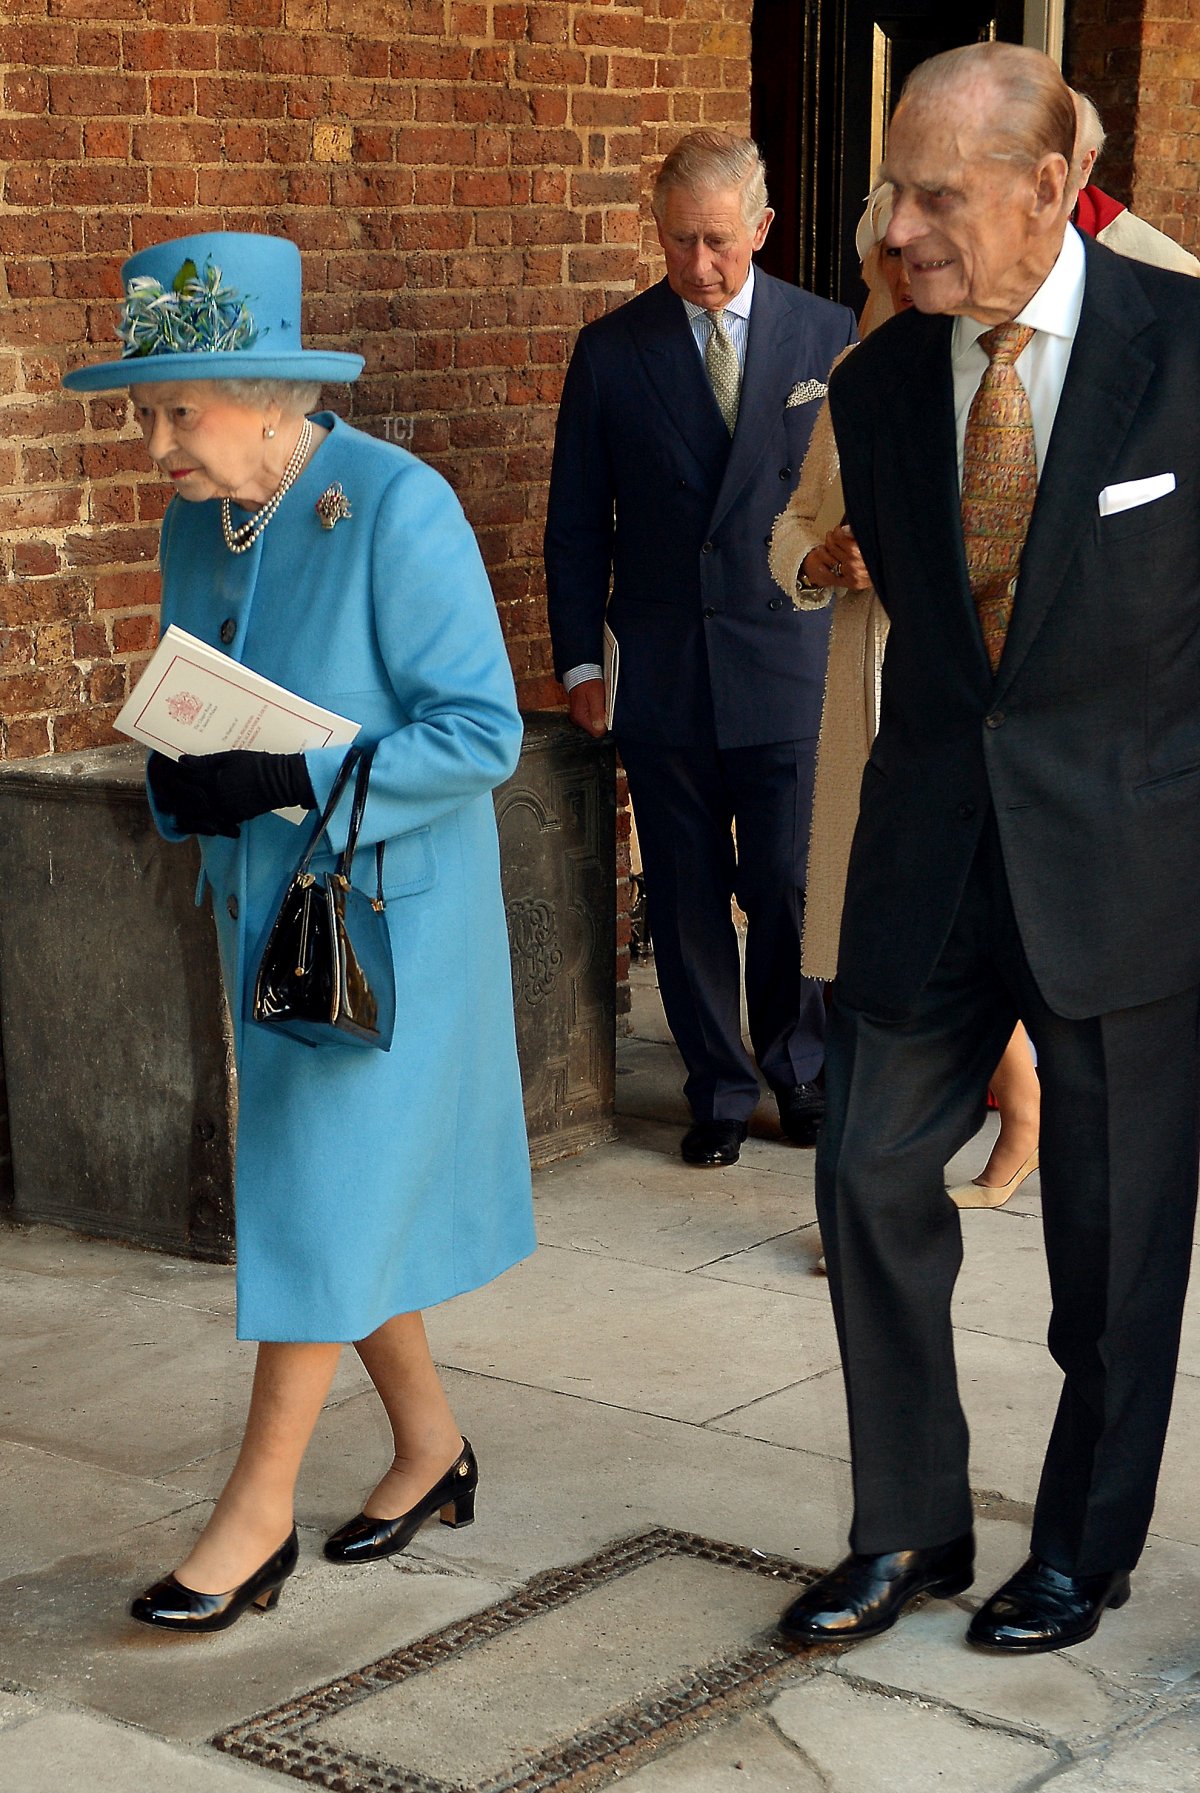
{"points": [[371, 1183]]}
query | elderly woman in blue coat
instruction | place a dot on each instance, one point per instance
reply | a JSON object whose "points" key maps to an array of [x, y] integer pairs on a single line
{"points": [[370, 1185]]}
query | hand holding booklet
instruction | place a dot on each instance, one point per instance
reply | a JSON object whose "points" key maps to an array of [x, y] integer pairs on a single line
{"points": [[192, 698]]}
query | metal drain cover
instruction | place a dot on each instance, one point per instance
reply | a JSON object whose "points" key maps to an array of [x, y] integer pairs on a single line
{"points": [[575, 1678]]}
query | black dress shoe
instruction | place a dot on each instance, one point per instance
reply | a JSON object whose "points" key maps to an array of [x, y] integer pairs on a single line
{"points": [[713, 1142], [1043, 1609], [169, 1604], [865, 1595], [801, 1111], [364, 1539]]}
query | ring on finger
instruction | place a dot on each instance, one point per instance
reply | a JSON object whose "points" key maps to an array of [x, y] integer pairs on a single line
{"points": [[836, 569]]}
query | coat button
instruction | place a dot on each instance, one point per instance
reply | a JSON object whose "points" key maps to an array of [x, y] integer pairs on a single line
{"points": [[681, 485], [709, 610], [776, 603], [995, 720], [966, 811], [231, 904], [707, 548], [785, 473], [228, 630]]}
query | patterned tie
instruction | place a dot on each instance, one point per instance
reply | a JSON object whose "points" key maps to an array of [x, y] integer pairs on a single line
{"points": [[999, 483], [720, 359]]}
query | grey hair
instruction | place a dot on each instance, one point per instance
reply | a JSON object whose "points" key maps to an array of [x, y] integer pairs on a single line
{"points": [[294, 397], [707, 161], [1090, 132], [1034, 112]]}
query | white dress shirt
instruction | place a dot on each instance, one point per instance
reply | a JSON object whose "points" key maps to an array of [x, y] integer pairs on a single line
{"points": [[737, 326], [1053, 312]]}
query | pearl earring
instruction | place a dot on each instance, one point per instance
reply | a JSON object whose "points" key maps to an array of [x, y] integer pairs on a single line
{"points": [[268, 432]]}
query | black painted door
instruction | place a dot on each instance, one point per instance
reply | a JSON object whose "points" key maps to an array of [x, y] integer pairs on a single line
{"points": [[825, 76]]}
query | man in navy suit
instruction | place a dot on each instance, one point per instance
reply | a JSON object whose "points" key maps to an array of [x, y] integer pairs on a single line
{"points": [[685, 417], [1020, 457]]}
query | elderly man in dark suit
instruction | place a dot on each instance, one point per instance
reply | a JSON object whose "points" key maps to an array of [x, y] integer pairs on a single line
{"points": [[1021, 460], [684, 420]]}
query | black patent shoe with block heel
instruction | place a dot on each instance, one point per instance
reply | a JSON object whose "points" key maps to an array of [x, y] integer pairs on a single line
{"points": [[364, 1539], [177, 1608]]}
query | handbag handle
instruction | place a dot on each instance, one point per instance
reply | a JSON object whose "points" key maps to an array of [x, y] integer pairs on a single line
{"points": [[359, 758], [346, 862]]}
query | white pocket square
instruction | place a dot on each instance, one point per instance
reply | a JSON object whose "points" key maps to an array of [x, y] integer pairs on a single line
{"points": [[804, 392], [1132, 492]]}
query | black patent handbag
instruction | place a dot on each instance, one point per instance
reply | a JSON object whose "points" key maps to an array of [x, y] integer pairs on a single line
{"points": [[326, 975]]}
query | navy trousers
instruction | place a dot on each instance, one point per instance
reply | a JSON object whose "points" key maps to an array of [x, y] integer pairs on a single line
{"points": [[688, 804], [1119, 1151]]}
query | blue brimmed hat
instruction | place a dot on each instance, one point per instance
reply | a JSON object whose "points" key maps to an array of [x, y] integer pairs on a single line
{"points": [[221, 306]]}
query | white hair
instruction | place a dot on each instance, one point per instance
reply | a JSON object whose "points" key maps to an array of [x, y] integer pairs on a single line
{"points": [[1089, 131], [708, 161], [294, 397]]}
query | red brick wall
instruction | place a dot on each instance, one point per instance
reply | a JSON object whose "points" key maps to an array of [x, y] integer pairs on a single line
{"points": [[1140, 62], [463, 178]]}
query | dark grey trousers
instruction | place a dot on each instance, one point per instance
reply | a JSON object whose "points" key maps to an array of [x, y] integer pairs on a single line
{"points": [[685, 802], [1119, 1151]]}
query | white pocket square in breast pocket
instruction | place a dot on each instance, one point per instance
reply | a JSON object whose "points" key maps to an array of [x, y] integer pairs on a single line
{"points": [[1132, 492], [804, 392]]}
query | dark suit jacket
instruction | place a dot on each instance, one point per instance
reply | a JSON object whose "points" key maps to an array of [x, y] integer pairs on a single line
{"points": [[649, 495], [1087, 741]]}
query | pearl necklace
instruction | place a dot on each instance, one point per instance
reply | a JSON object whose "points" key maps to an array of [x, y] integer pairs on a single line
{"points": [[247, 533]]}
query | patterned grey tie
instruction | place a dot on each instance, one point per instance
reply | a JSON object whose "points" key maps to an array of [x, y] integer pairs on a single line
{"points": [[720, 359]]}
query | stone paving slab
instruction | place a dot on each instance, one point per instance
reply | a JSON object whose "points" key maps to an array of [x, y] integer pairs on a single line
{"points": [[1053, 1696], [631, 1334], [55, 1507], [67, 1634], [1164, 1758], [64, 1256], [69, 1752], [747, 1755], [642, 1203], [858, 1741], [560, 1476]]}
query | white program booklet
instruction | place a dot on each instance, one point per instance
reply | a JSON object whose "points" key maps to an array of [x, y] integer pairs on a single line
{"points": [[192, 698], [612, 667]]}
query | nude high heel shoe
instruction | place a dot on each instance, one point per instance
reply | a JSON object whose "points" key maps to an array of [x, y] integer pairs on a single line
{"points": [[978, 1194]]}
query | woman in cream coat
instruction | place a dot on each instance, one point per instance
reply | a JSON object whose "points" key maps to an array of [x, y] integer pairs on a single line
{"points": [[814, 558]]}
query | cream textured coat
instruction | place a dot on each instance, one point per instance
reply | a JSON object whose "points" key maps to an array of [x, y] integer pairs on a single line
{"points": [[850, 712]]}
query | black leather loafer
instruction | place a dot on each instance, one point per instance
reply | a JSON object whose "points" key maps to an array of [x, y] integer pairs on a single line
{"points": [[865, 1595], [713, 1142], [364, 1539], [801, 1111], [1043, 1609], [176, 1608]]}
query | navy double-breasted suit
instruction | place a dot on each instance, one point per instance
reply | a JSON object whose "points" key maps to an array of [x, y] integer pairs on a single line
{"points": [[659, 523]]}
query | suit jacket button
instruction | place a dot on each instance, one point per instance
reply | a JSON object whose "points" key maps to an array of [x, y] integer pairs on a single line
{"points": [[966, 811], [776, 603], [707, 548], [785, 473], [709, 610], [231, 904], [995, 720], [228, 630], [681, 484]]}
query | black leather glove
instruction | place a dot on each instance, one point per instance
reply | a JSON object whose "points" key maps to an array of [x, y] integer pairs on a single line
{"points": [[211, 793]]}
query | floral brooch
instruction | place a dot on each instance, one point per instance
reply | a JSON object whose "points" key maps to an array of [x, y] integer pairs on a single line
{"points": [[332, 506]]}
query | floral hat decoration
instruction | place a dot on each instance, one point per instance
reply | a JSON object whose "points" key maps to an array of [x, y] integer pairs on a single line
{"points": [[225, 305]]}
